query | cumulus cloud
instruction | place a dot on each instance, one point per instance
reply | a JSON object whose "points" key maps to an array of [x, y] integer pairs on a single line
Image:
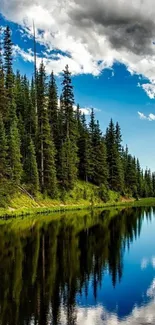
{"points": [[99, 315], [150, 117], [149, 89], [95, 315], [94, 34]]}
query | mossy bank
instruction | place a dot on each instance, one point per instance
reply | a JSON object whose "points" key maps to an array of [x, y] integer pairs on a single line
{"points": [[83, 196]]}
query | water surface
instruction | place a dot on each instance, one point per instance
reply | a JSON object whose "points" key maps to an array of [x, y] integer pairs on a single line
{"points": [[81, 268]]}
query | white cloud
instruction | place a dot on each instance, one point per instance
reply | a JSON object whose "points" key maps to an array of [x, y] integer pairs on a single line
{"points": [[151, 290], [142, 116], [94, 34], [84, 110], [146, 262], [150, 117], [149, 89], [99, 315]]}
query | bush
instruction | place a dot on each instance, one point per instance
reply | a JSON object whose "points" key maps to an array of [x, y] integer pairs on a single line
{"points": [[104, 193], [7, 189], [85, 194]]}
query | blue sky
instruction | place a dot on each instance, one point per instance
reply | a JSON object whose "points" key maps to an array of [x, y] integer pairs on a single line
{"points": [[112, 72]]}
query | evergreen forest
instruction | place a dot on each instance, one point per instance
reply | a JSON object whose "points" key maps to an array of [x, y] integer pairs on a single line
{"points": [[47, 145]]}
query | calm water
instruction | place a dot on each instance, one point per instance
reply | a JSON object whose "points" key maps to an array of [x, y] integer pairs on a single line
{"points": [[87, 269]]}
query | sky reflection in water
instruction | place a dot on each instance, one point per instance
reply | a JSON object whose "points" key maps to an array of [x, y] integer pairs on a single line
{"points": [[80, 269]]}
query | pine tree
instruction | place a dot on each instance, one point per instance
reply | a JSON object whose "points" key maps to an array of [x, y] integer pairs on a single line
{"points": [[60, 138], [3, 101], [92, 123], [115, 178], [33, 116], [53, 109], [68, 102], [45, 145], [68, 166], [139, 178], [100, 158], [148, 188], [50, 181], [5, 186], [41, 93], [3, 98], [10, 110], [31, 177], [14, 156], [8, 61], [131, 175], [14, 152], [30, 120], [84, 150], [1, 57], [69, 134], [3, 151], [118, 138], [92, 144]]}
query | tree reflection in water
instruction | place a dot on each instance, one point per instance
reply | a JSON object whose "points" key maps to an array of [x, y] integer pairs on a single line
{"points": [[45, 264]]}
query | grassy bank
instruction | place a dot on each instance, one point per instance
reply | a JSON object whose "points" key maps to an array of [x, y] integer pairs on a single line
{"points": [[83, 196]]}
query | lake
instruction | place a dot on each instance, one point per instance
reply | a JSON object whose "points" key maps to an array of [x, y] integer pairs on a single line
{"points": [[79, 268]]}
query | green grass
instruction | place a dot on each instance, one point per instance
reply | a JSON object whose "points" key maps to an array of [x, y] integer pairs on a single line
{"points": [[83, 196]]}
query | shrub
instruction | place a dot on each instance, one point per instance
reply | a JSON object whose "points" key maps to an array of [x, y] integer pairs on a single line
{"points": [[103, 193]]}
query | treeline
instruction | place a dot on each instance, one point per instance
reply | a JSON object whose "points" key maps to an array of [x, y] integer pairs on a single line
{"points": [[46, 144]]}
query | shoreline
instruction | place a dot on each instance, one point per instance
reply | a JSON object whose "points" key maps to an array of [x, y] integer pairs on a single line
{"points": [[10, 212]]}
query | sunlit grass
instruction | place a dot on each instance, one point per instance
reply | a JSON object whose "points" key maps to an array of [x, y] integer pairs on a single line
{"points": [[83, 196]]}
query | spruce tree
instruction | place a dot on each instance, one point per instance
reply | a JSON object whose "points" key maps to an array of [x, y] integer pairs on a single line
{"points": [[131, 175], [50, 181], [115, 171], [1, 57], [60, 138], [118, 138], [53, 109], [8, 61], [5, 188], [68, 102], [14, 152], [68, 165], [31, 177], [84, 150], [3, 98], [8, 74], [92, 144], [100, 175], [45, 144], [68, 152], [139, 178], [3, 151], [3, 101], [148, 190]]}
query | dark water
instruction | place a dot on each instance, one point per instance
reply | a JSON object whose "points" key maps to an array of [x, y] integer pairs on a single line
{"points": [[87, 269]]}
